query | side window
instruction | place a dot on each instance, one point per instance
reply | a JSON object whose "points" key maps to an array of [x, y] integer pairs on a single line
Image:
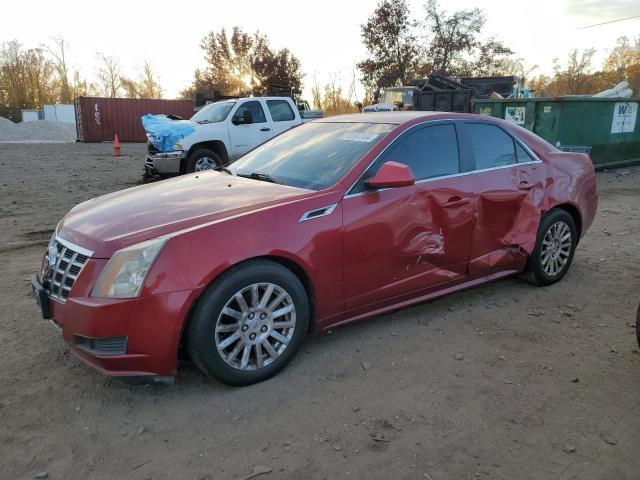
{"points": [[256, 111], [521, 154], [428, 151], [492, 147], [280, 110]]}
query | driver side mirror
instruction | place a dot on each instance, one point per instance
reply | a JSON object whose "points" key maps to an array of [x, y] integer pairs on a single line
{"points": [[245, 118], [392, 175]]}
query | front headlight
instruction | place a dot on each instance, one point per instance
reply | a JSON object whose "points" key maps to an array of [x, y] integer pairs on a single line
{"points": [[178, 146], [125, 273]]}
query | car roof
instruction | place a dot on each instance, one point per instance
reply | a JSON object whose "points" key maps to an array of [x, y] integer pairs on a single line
{"points": [[395, 118]]}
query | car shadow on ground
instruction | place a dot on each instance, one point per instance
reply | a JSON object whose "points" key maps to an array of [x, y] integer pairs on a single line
{"points": [[311, 360]]}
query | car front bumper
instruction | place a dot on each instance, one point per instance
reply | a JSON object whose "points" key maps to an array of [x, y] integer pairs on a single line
{"points": [[137, 337], [164, 163]]}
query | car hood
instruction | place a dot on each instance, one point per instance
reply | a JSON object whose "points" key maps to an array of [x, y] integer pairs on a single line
{"points": [[108, 223]]}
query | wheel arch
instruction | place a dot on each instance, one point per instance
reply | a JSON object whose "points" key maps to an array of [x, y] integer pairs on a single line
{"points": [[217, 146], [574, 212], [295, 267]]}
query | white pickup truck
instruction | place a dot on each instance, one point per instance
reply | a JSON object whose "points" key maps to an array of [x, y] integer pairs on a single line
{"points": [[222, 132]]}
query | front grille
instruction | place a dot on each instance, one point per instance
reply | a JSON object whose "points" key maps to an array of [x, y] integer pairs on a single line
{"points": [[60, 274]]}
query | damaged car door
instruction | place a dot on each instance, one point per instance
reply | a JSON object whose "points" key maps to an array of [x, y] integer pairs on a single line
{"points": [[507, 183], [399, 241]]}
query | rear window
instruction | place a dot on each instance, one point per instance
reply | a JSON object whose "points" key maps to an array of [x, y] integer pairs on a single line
{"points": [[522, 155], [280, 110], [492, 147]]}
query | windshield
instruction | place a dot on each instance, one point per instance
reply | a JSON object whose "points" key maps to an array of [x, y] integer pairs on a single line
{"points": [[214, 112], [404, 95], [313, 155]]}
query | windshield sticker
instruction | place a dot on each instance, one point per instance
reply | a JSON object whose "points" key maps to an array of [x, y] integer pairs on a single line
{"points": [[359, 137]]}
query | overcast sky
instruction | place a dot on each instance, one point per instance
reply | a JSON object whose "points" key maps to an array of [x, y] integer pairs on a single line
{"points": [[324, 35]]}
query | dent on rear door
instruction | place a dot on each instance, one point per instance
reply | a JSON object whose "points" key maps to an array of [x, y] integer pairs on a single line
{"points": [[506, 221]]}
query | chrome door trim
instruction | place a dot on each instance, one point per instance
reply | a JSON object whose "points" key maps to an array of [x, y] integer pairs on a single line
{"points": [[444, 177]]}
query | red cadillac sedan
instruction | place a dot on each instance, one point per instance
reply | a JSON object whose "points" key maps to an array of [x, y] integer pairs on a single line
{"points": [[331, 222]]}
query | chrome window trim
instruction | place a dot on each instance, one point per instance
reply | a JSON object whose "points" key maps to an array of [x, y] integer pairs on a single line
{"points": [[328, 210], [453, 175], [74, 247]]}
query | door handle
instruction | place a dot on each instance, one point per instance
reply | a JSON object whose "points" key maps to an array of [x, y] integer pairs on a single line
{"points": [[523, 185], [265, 129], [456, 201]]}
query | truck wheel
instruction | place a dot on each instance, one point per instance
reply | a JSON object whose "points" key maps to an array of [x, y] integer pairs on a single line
{"points": [[555, 246], [202, 160], [249, 323]]}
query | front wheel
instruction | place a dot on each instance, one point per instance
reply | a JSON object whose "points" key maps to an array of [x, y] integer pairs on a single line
{"points": [[249, 323], [202, 160], [555, 247]]}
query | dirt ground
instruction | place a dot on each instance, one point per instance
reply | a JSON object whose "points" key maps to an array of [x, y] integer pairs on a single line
{"points": [[503, 381]]}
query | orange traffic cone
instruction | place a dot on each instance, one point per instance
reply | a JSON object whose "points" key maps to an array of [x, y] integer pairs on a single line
{"points": [[116, 146]]}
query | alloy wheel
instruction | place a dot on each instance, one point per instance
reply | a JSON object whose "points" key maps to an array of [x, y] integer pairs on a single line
{"points": [[556, 248], [204, 163], [255, 326]]}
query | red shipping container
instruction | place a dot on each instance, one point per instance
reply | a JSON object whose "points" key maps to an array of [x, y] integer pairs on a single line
{"points": [[99, 119]]}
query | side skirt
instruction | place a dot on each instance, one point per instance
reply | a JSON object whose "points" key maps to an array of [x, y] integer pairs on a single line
{"points": [[423, 298]]}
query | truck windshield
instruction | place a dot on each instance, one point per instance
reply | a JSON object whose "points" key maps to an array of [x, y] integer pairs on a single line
{"points": [[214, 112], [403, 95], [314, 155]]}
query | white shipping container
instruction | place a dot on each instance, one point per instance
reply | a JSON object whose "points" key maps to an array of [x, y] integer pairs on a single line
{"points": [[30, 115], [60, 113]]}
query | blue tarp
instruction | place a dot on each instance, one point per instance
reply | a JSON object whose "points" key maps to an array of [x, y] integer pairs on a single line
{"points": [[164, 133]]}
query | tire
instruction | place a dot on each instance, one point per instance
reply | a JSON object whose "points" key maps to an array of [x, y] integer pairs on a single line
{"points": [[202, 160], [210, 328], [541, 268], [638, 326]]}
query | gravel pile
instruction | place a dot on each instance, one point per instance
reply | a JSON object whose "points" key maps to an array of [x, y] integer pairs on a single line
{"points": [[40, 131]]}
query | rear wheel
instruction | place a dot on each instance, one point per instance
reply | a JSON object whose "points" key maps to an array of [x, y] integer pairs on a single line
{"points": [[638, 326], [248, 324], [555, 247], [202, 160]]}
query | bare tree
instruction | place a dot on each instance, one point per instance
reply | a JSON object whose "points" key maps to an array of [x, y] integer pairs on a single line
{"points": [[576, 78], [58, 52], [109, 76], [578, 68], [148, 84], [130, 88], [316, 93]]}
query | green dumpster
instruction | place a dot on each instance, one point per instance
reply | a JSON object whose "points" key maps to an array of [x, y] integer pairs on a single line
{"points": [[607, 125]]}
